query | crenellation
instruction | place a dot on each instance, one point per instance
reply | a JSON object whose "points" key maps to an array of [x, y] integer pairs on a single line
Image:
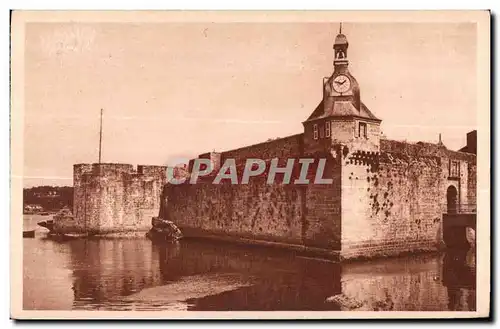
{"points": [[116, 197]]}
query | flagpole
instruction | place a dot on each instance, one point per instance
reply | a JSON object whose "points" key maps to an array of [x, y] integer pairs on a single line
{"points": [[100, 139]]}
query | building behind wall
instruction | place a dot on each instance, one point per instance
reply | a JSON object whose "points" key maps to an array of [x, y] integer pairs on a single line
{"points": [[387, 196], [471, 146]]}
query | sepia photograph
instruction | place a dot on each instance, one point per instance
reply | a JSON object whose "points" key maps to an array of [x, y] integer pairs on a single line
{"points": [[317, 165]]}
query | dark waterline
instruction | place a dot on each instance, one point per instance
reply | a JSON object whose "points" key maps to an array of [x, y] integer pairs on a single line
{"points": [[136, 274]]}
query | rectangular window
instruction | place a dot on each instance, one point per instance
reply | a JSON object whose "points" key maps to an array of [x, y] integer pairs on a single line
{"points": [[454, 168], [362, 129], [327, 129], [315, 131], [321, 131]]}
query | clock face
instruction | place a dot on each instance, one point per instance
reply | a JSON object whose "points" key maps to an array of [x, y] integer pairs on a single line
{"points": [[341, 83]]}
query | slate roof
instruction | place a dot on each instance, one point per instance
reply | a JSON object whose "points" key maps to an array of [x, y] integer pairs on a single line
{"points": [[341, 109]]}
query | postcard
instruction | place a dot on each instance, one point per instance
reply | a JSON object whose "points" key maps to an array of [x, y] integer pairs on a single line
{"points": [[250, 165]]}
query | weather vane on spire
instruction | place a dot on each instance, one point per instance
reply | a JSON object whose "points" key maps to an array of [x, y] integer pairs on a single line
{"points": [[340, 29]]}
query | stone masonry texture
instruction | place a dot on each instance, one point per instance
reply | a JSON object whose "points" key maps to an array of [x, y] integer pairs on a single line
{"points": [[386, 200], [115, 198]]}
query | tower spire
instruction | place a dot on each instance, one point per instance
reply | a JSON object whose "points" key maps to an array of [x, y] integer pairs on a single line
{"points": [[340, 48]]}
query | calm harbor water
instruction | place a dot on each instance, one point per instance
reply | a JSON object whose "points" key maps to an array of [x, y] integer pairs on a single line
{"points": [[137, 274]]}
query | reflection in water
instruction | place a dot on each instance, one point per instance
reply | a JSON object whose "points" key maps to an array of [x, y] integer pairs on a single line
{"points": [[460, 280], [417, 283], [135, 274], [105, 269]]}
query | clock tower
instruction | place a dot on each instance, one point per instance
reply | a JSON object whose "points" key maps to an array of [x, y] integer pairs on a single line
{"points": [[341, 85], [341, 118]]}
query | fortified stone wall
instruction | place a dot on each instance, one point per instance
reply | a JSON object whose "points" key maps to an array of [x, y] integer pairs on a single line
{"points": [[255, 211], [283, 148], [471, 183], [276, 213], [116, 197], [392, 209], [300, 215], [393, 202], [79, 199], [379, 203]]}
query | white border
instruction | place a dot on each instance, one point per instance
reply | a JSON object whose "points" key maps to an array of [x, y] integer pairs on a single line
{"points": [[145, 4]]}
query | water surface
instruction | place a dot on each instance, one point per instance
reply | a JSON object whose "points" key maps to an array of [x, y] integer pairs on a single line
{"points": [[137, 274]]}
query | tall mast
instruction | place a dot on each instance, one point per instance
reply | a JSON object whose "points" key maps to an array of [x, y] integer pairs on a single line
{"points": [[100, 139]]}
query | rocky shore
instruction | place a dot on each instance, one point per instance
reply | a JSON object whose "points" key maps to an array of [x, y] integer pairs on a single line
{"points": [[163, 230]]}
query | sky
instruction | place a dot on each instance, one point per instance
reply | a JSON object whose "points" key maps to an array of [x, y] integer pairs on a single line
{"points": [[175, 90]]}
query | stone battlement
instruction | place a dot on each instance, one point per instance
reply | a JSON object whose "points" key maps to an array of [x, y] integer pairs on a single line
{"points": [[115, 197], [112, 169]]}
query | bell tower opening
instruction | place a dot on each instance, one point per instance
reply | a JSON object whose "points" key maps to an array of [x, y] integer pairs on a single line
{"points": [[340, 49]]}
